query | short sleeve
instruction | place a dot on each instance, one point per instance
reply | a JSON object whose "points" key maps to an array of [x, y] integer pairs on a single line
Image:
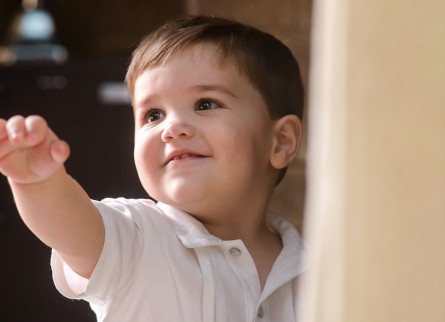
{"points": [[123, 246]]}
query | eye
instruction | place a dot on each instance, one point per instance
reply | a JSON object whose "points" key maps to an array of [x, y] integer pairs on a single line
{"points": [[206, 104], [153, 116]]}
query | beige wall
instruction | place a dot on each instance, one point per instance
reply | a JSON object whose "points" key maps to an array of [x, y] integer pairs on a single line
{"points": [[288, 20], [375, 219]]}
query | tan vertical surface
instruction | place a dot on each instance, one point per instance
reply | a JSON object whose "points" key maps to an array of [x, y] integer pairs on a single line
{"points": [[375, 220]]}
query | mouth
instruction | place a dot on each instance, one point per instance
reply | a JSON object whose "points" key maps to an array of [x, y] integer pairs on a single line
{"points": [[183, 156]]}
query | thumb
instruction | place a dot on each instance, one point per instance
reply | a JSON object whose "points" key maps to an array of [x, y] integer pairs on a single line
{"points": [[59, 151]]}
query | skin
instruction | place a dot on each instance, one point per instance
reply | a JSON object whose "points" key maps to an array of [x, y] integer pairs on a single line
{"points": [[204, 143], [193, 105]]}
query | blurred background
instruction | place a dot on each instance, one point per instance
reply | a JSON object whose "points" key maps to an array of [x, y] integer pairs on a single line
{"points": [[66, 60]]}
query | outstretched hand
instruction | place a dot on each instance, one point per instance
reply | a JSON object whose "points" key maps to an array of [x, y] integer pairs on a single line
{"points": [[30, 152]]}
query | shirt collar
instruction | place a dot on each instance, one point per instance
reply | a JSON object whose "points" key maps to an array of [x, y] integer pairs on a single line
{"points": [[193, 233], [189, 230]]}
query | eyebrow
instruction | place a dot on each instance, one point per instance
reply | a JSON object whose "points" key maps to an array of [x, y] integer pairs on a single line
{"points": [[145, 101], [215, 87], [202, 88]]}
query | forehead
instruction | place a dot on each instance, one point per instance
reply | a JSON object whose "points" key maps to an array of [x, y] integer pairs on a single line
{"points": [[200, 63], [156, 56]]}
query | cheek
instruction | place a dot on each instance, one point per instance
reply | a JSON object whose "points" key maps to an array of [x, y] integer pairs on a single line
{"points": [[146, 154], [255, 145], [245, 148]]}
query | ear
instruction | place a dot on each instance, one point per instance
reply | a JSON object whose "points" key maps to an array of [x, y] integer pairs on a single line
{"points": [[286, 141]]}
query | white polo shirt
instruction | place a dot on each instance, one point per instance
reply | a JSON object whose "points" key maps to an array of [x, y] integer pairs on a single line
{"points": [[161, 264]]}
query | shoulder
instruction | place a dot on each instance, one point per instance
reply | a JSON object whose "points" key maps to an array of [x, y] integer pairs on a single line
{"points": [[124, 204], [126, 207], [145, 213], [129, 212]]}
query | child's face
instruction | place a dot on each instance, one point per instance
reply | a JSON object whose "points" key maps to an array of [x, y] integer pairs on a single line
{"points": [[203, 134]]}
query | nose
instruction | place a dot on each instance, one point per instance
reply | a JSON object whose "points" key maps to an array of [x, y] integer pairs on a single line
{"points": [[176, 129]]}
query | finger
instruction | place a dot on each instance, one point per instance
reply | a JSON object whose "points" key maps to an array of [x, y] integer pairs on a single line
{"points": [[60, 151], [15, 128], [4, 144], [3, 133], [36, 128]]}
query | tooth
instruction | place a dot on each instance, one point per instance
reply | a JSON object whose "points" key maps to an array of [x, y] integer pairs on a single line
{"points": [[183, 156]]}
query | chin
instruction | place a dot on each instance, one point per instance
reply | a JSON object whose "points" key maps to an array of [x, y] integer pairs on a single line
{"points": [[180, 195]]}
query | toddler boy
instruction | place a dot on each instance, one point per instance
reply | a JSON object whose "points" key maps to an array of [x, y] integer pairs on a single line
{"points": [[217, 108]]}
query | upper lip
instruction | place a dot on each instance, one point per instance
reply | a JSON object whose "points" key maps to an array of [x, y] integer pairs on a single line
{"points": [[179, 153]]}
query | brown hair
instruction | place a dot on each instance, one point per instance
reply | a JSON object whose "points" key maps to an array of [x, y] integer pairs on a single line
{"points": [[267, 62]]}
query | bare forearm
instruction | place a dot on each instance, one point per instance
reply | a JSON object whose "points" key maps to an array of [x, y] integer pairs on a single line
{"points": [[51, 203], [60, 213]]}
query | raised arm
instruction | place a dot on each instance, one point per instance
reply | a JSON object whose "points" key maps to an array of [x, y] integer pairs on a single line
{"points": [[51, 203]]}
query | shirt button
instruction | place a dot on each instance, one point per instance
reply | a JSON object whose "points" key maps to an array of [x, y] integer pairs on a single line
{"points": [[260, 312], [235, 251]]}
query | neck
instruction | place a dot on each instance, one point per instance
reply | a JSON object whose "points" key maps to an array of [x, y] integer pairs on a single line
{"points": [[241, 227]]}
